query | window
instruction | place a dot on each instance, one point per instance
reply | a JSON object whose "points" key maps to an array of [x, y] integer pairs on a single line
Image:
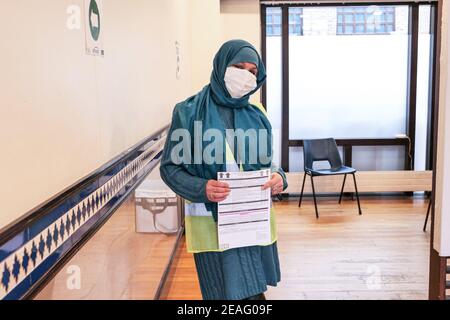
{"points": [[424, 89], [355, 88], [295, 21], [365, 20], [274, 65], [273, 22]]}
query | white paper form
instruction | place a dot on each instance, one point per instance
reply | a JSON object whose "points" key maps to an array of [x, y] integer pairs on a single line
{"points": [[244, 217]]}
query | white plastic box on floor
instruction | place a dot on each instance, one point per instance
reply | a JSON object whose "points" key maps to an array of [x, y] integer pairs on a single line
{"points": [[157, 208]]}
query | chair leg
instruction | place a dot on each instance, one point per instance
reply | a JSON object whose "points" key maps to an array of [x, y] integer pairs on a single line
{"points": [[357, 194], [426, 218], [314, 196], [342, 190], [303, 187]]}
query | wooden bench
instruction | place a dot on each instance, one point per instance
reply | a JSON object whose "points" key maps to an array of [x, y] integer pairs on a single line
{"points": [[368, 181]]}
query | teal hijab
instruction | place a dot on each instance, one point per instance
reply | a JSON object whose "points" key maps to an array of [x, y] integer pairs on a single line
{"points": [[230, 53], [203, 107]]}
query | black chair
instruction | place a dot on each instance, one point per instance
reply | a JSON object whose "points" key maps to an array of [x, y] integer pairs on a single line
{"points": [[325, 150]]}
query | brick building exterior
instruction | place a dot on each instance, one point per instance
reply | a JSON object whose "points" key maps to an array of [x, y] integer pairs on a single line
{"points": [[332, 21]]}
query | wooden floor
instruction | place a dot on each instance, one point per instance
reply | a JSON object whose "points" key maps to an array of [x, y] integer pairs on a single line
{"points": [[116, 263], [382, 254]]}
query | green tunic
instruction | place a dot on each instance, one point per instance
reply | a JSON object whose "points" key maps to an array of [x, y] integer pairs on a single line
{"points": [[236, 273], [241, 272]]}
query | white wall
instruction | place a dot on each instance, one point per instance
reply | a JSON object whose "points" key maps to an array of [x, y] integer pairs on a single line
{"points": [[240, 19], [205, 40], [213, 23], [64, 113], [442, 206]]}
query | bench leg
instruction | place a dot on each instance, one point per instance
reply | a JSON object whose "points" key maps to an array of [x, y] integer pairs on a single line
{"points": [[428, 215], [342, 190]]}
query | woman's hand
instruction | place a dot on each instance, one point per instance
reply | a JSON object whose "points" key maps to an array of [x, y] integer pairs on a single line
{"points": [[275, 182], [217, 191]]}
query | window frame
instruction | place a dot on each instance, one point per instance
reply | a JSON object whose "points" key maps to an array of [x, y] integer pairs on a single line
{"points": [[413, 31], [271, 23], [341, 27]]}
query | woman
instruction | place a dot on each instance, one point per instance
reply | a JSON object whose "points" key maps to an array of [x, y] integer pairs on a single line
{"points": [[239, 273]]}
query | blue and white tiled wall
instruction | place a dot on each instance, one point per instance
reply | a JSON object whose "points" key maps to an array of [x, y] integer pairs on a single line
{"points": [[26, 257]]}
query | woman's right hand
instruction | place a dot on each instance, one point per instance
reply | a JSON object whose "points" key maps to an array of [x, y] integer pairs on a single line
{"points": [[217, 191]]}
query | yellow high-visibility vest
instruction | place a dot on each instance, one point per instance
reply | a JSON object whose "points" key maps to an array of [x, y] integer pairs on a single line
{"points": [[200, 227]]}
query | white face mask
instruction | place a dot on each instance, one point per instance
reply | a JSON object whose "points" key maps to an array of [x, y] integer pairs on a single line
{"points": [[239, 82]]}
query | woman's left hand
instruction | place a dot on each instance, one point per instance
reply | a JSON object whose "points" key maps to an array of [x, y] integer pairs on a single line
{"points": [[275, 182]]}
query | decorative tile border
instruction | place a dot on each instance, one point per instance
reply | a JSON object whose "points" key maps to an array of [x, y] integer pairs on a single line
{"points": [[41, 249], [447, 277]]}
